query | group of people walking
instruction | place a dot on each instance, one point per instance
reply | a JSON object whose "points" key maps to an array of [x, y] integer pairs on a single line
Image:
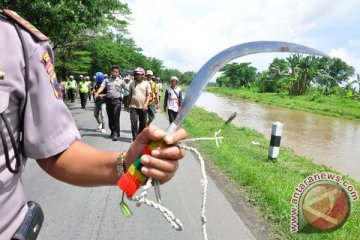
{"points": [[139, 92], [70, 88], [36, 125]]}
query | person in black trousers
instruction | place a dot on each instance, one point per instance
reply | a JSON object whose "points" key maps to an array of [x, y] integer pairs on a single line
{"points": [[173, 99], [113, 100]]}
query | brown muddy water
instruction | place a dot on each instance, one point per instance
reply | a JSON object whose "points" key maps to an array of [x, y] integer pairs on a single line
{"points": [[327, 140]]}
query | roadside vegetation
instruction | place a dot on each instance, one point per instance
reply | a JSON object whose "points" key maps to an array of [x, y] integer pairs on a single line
{"points": [[317, 84], [268, 185], [313, 101], [294, 75]]}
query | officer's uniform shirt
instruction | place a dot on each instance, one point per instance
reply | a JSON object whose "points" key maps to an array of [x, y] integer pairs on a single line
{"points": [[113, 87], [49, 126]]}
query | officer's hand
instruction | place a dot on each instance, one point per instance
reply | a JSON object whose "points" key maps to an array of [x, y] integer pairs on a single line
{"points": [[163, 162], [145, 107]]}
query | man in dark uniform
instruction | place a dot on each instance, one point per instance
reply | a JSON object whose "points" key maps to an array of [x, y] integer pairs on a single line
{"points": [[113, 87], [30, 108]]}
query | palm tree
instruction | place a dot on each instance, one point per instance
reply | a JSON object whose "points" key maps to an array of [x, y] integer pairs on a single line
{"points": [[294, 62], [279, 72], [308, 66], [303, 70]]}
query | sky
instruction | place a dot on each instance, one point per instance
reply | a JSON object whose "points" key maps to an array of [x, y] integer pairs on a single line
{"points": [[186, 34]]}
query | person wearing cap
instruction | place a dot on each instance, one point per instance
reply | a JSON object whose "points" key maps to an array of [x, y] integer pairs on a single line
{"points": [[84, 91], [154, 97], [137, 103], [71, 86], [30, 108], [173, 99], [113, 86]]}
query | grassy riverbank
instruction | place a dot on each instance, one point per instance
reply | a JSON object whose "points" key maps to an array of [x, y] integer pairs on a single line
{"points": [[333, 106], [268, 185]]}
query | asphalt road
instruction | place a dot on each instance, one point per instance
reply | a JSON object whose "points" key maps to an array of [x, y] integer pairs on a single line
{"points": [[93, 213]]}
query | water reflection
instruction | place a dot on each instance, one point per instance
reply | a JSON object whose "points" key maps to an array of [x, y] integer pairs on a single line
{"points": [[332, 141]]}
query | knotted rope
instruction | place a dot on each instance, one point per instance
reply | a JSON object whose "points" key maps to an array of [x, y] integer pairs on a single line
{"points": [[168, 215]]}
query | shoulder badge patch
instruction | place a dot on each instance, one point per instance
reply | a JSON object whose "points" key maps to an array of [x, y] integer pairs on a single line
{"points": [[25, 24], [50, 70]]}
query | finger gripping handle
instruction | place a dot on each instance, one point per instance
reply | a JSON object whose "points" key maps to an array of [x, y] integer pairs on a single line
{"points": [[133, 179]]}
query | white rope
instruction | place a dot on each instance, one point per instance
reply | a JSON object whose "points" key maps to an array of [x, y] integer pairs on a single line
{"points": [[204, 183], [168, 215], [216, 138]]}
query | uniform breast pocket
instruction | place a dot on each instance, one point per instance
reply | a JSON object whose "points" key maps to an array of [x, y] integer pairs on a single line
{"points": [[4, 98], [110, 87]]}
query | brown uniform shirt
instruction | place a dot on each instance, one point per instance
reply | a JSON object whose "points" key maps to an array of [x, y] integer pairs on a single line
{"points": [[49, 126]]}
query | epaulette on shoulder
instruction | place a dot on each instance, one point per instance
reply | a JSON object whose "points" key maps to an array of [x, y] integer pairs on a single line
{"points": [[25, 24]]}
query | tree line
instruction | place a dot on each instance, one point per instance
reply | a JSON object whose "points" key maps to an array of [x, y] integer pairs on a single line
{"points": [[90, 36], [295, 75]]}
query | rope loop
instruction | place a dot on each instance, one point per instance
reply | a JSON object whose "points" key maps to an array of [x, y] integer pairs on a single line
{"points": [[168, 215]]}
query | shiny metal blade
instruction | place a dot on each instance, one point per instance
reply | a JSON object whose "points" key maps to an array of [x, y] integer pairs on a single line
{"points": [[204, 75]]}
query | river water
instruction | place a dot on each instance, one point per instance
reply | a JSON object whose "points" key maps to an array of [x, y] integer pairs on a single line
{"points": [[328, 140]]}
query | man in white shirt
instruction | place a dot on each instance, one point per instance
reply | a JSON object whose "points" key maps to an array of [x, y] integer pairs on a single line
{"points": [[173, 99]]}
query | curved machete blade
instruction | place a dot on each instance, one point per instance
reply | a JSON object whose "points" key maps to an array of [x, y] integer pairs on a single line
{"points": [[214, 64]]}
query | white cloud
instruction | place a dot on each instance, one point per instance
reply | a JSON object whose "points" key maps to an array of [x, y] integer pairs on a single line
{"points": [[185, 34]]}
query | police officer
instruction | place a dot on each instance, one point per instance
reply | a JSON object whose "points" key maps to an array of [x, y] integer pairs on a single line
{"points": [[71, 88], [30, 108], [113, 86], [84, 91]]}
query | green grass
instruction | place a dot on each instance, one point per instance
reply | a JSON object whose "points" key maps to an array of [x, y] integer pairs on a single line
{"points": [[268, 185], [312, 102]]}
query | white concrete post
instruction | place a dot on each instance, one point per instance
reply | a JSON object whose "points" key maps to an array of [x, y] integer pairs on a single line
{"points": [[274, 147]]}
